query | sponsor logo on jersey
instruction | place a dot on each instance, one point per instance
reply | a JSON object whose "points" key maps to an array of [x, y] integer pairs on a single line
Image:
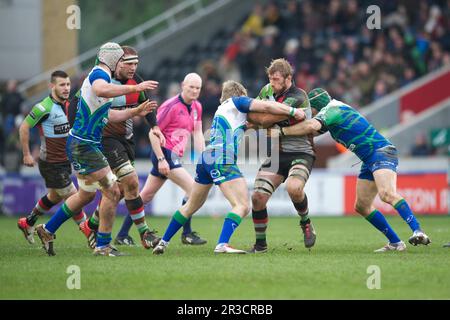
{"points": [[61, 128]]}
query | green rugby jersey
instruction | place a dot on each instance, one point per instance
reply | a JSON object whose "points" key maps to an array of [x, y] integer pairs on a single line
{"points": [[296, 98], [348, 127], [51, 119]]}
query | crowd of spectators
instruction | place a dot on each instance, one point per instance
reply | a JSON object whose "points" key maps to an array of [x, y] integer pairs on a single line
{"points": [[328, 42]]}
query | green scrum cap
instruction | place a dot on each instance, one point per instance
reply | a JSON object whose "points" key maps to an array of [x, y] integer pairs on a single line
{"points": [[318, 98]]}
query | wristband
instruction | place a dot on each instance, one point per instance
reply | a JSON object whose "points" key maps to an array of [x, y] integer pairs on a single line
{"points": [[292, 112]]}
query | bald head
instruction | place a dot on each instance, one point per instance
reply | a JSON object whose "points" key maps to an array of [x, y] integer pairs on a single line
{"points": [[191, 86], [193, 77]]}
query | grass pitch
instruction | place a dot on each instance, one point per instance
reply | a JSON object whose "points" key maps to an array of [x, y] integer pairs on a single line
{"points": [[336, 268]]}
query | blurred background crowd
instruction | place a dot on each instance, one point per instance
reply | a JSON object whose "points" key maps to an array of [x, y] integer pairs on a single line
{"points": [[327, 42]]}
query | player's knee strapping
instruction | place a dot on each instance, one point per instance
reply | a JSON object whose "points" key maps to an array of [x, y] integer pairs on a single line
{"points": [[65, 192], [302, 207], [264, 186], [104, 183], [88, 187], [299, 172], [107, 181], [124, 170]]}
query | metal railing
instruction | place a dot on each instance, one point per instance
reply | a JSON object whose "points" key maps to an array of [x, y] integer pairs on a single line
{"points": [[136, 36]]}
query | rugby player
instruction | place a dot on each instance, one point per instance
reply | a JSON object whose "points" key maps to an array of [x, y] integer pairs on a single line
{"points": [[84, 149], [50, 116], [291, 163], [379, 163], [119, 149], [217, 164]]}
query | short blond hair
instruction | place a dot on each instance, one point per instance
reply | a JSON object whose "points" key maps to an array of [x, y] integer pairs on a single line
{"points": [[232, 88], [282, 66]]}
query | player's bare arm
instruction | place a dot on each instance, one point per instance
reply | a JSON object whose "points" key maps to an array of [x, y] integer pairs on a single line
{"points": [[311, 126], [276, 108], [104, 89], [265, 120], [24, 133], [140, 111]]}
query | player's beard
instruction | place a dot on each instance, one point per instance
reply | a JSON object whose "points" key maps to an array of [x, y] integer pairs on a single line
{"points": [[283, 89], [60, 97]]}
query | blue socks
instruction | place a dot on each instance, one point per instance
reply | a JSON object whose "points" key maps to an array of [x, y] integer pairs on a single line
{"points": [[126, 226], [230, 224], [61, 215], [177, 221], [380, 222], [103, 239], [405, 212]]}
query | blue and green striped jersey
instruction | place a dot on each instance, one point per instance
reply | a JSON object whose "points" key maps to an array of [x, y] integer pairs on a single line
{"points": [[348, 127], [92, 111]]}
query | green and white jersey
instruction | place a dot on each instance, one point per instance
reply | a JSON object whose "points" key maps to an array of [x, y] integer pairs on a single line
{"points": [[51, 119], [296, 98], [348, 127], [228, 128], [92, 111]]}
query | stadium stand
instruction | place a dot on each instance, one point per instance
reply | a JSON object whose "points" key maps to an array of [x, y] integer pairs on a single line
{"points": [[338, 52]]}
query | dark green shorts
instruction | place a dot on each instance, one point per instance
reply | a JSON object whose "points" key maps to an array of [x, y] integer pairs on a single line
{"points": [[85, 157]]}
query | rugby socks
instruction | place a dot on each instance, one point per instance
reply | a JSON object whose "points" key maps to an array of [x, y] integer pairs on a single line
{"points": [[302, 210], [380, 222], [94, 219], [136, 209], [61, 215], [79, 218], [405, 212], [126, 226], [232, 221], [187, 226], [177, 221], [103, 239], [260, 221], [43, 206]]}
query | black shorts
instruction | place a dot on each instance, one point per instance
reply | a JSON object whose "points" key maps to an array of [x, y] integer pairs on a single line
{"points": [[286, 161], [118, 151], [56, 175]]}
